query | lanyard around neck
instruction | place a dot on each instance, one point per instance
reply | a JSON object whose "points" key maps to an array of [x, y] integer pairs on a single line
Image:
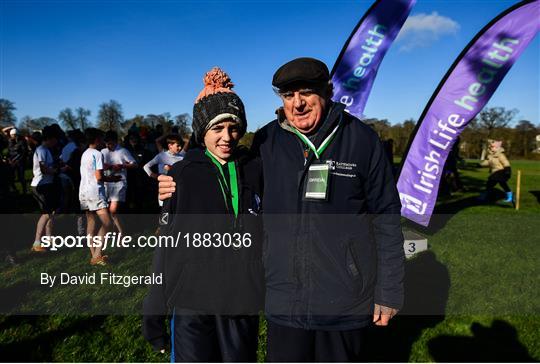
{"points": [[326, 142], [232, 186]]}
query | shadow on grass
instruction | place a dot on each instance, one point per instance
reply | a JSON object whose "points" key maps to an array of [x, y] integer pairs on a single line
{"points": [[536, 194], [427, 283], [473, 184], [40, 348], [445, 211], [447, 206], [498, 343], [442, 214], [470, 166], [13, 296]]}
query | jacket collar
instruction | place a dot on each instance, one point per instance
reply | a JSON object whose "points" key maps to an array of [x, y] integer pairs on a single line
{"points": [[197, 155], [328, 124]]}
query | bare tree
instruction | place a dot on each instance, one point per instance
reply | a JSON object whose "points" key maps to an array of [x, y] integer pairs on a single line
{"points": [[182, 122], [82, 116], [30, 124], [7, 116], [493, 118], [110, 116], [68, 118], [154, 120], [25, 124], [133, 123]]}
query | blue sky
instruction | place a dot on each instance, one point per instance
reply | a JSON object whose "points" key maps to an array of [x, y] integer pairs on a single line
{"points": [[151, 55]]}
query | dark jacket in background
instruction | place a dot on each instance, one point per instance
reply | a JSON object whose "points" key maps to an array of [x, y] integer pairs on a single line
{"points": [[142, 190], [18, 150], [328, 262]]}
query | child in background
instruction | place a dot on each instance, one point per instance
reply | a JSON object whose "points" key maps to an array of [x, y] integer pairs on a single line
{"points": [[71, 161], [92, 194], [44, 190], [499, 169], [117, 161], [166, 158]]}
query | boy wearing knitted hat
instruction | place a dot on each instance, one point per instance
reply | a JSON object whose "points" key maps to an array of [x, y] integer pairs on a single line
{"points": [[212, 285]]}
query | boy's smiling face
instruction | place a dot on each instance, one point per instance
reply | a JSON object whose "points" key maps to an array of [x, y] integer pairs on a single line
{"points": [[221, 139]]}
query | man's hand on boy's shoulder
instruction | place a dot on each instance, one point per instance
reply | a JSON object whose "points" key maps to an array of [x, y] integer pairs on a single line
{"points": [[166, 187]]}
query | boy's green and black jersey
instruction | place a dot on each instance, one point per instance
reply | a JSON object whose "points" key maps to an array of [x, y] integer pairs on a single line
{"points": [[206, 209]]}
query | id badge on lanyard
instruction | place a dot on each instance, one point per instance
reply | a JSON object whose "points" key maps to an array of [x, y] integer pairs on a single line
{"points": [[317, 182], [318, 176]]}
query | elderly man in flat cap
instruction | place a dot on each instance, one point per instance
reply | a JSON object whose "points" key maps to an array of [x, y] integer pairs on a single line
{"points": [[334, 255]]}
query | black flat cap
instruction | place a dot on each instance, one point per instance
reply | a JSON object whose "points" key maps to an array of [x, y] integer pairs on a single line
{"points": [[308, 70]]}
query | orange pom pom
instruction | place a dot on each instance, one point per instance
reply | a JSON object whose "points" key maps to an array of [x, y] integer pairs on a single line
{"points": [[215, 80]]}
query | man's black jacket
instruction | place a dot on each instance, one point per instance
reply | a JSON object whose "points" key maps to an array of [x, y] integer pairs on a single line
{"points": [[328, 262]]}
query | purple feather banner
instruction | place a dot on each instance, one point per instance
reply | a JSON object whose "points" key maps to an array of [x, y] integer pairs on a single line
{"points": [[356, 67], [462, 94]]}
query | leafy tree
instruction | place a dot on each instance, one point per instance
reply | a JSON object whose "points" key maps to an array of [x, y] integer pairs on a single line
{"points": [[6, 112], [381, 126], [473, 140], [68, 118], [525, 135], [401, 133], [247, 139], [110, 116], [409, 125]]}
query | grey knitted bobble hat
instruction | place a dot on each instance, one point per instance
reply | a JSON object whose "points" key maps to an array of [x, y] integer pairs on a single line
{"points": [[215, 103]]}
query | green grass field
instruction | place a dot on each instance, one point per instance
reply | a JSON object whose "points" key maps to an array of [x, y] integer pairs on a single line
{"points": [[474, 296]]}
